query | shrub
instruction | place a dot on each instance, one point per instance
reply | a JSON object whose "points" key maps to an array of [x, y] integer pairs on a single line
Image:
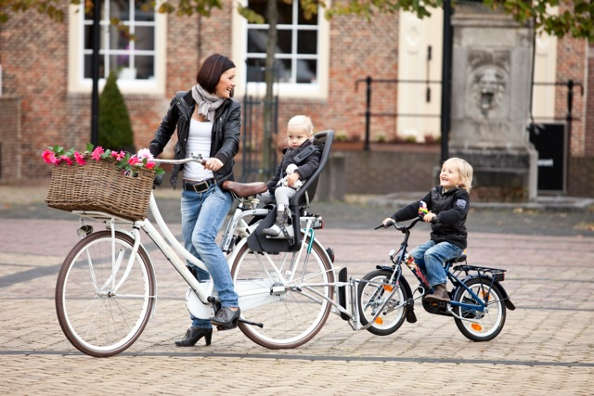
{"points": [[115, 129]]}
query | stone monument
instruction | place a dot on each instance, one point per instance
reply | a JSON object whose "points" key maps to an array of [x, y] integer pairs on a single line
{"points": [[491, 88]]}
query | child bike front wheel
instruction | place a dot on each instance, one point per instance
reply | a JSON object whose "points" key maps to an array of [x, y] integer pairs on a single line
{"points": [[374, 289]]}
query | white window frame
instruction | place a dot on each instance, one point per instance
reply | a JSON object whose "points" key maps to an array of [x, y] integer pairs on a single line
{"points": [[317, 90], [78, 84]]}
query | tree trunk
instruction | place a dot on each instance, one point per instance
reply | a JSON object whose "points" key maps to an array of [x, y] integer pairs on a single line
{"points": [[269, 74]]}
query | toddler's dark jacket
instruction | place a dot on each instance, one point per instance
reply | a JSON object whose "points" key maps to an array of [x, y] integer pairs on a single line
{"points": [[306, 157], [451, 208]]}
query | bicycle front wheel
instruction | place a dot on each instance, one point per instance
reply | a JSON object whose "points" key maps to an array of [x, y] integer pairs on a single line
{"points": [[374, 289], [289, 293], [103, 298], [476, 325]]}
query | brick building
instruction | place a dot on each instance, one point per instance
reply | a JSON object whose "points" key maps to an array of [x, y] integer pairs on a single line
{"points": [[45, 97]]}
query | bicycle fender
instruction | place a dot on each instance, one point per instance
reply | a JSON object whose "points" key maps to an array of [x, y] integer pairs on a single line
{"points": [[496, 285]]}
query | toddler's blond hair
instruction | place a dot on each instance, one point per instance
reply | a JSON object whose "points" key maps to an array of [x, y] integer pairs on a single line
{"points": [[302, 122], [464, 171]]}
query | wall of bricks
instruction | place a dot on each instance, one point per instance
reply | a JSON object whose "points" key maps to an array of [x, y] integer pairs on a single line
{"points": [[34, 53], [390, 169], [589, 143], [10, 138], [581, 182]]}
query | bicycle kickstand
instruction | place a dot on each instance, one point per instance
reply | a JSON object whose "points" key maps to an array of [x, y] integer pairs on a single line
{"points": [[260, 325]]}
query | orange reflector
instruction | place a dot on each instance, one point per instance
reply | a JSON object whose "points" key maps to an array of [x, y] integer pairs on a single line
{"points": [[379, 320], [388, 288], [477, 327]]}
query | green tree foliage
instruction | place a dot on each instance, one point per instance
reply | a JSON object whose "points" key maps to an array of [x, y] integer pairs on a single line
{"points": [[115, 129], [577, 19]]}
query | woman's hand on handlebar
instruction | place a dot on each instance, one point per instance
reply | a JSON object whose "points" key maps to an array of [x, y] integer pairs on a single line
{"points": [[213, 164]]}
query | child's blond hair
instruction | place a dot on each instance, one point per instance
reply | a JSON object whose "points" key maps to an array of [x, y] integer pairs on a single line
{"points": [[302, 122], [464, 171]]}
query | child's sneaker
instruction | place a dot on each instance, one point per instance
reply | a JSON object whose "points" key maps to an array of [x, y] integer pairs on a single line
{"points": [[276, 229]]}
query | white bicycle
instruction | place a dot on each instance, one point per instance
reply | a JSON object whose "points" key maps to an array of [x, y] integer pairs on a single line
{"points": [[106, 288]]}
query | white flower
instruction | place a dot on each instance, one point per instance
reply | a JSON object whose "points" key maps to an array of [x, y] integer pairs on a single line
{"points": [[144, 153]]}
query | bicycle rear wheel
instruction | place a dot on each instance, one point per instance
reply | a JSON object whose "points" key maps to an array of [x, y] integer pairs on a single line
{"points": [[104, 306], [373, 291], [292, 301], [476, 325]]}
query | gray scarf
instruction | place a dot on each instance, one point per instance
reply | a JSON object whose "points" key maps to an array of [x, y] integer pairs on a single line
{"points": [[207, 103]]}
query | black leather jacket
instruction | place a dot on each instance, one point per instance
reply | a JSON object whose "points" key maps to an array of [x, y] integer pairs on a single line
{"points": [[225, 133], [307, 159], [451, 209]]}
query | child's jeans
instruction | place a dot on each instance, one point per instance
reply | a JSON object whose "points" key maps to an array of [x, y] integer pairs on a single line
{"points": [[431, 257]]}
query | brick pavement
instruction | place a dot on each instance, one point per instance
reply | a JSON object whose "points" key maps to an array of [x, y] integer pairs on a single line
{"points": [[546, 346]]}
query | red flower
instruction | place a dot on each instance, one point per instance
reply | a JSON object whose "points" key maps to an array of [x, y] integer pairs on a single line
{"points": [[66, 159], [49, 157], [79, 158], [150, 165], [133, 160]]}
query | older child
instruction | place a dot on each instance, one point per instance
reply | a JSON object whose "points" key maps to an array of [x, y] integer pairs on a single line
{"points": [[447, 206], [299, 162]]}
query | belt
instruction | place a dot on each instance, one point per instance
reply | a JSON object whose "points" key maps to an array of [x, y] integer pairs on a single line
{"points": [[200, 186]]}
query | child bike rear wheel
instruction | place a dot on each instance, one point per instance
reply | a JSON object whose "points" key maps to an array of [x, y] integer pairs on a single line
{"points": [[476, 325], [373, 291]]}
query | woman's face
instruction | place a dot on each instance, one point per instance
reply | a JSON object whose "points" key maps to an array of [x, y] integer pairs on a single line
{"points": [[224, 88]]}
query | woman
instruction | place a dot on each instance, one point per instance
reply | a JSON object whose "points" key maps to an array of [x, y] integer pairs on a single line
{"points": [[207, 122]]}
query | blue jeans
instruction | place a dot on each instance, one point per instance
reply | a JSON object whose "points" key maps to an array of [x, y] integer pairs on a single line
{"points": [[202, 216], [431, 258]]}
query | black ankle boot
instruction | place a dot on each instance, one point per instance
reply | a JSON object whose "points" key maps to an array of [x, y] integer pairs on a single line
{"points": [[193, 335], [226, 318]]}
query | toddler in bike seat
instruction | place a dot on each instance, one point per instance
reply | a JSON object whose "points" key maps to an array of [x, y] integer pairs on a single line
{"points": [[446, 209], [300, 160]]}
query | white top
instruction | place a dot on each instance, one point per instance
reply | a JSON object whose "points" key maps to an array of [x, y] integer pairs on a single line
{"points": [[199, 139]]}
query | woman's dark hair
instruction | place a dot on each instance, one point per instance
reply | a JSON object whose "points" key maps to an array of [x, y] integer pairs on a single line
{"points": [[211, 70]]}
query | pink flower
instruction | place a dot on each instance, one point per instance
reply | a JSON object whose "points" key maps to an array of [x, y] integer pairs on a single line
{"points": [[96, 154], [118, 156], [66, 159], [79, 158], [150, 165], [133, 160], [49, 157]]}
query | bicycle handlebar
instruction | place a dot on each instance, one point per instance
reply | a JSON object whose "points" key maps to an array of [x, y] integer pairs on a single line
{"points": [[400, 228], [193, 158]]}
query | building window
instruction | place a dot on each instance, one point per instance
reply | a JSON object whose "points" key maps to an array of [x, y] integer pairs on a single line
{"points": [[131, 53], [134, 48], [297, 45], [301, 55]]}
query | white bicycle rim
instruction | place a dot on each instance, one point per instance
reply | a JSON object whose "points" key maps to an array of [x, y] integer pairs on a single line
{"points": [[292, 312], [99, 322]]}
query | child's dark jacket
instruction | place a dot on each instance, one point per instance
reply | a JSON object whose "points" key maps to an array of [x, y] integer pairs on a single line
{"points": [[306, 157], [451, 209]]}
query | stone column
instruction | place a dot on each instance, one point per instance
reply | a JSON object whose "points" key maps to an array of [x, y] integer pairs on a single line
{"points": [[491, 85]]}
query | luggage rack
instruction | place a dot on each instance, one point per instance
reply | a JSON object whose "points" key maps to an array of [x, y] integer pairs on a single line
{"points": [[497, 273]]}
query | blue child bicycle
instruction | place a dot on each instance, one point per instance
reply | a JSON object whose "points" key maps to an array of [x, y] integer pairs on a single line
{"points": [[477, 303]]}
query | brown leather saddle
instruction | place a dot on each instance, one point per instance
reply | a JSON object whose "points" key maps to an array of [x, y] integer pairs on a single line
{"points": [[244, 189]]}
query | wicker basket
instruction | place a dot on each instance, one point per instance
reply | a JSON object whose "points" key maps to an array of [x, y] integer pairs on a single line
{"points": [[100, 186]]}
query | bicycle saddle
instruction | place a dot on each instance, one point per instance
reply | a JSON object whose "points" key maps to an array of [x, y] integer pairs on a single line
{"points": [[244, 189]]}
